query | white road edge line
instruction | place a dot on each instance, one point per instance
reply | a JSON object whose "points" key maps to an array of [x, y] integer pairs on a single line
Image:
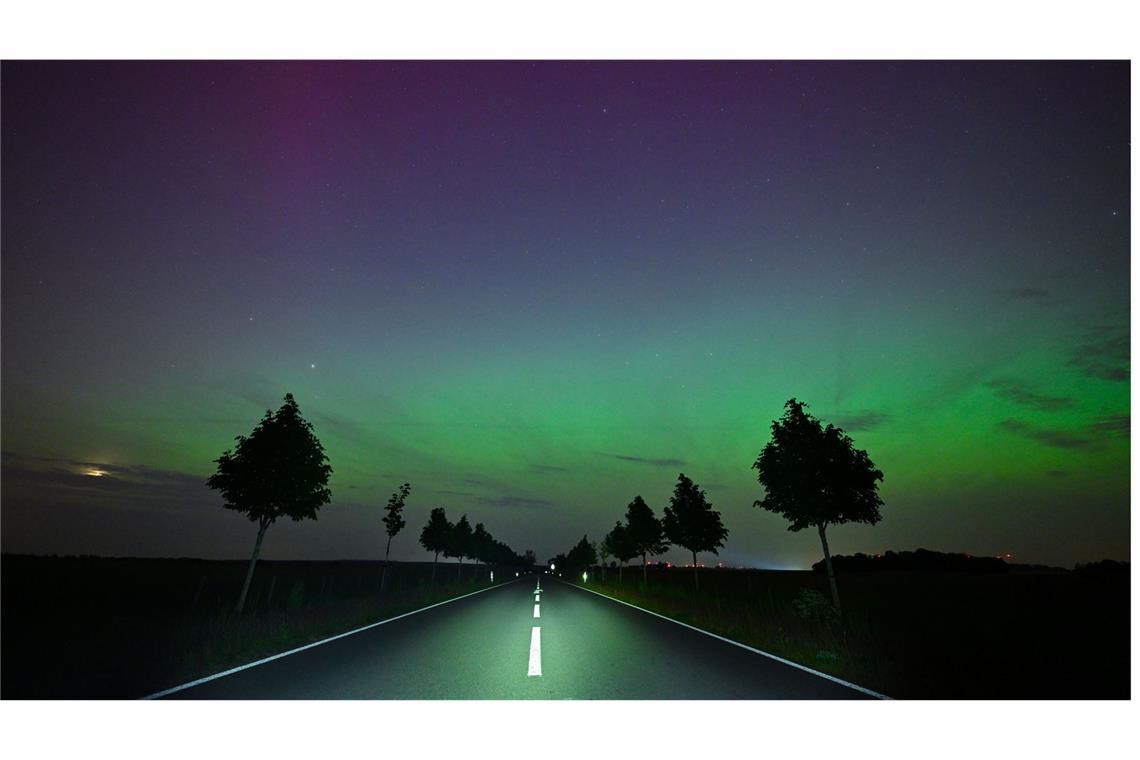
{"points": [[534, 668], [536, 610], [769, 655], [247, 666]]}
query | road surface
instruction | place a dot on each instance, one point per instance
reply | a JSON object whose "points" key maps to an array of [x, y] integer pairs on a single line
{"points": [[516, 642]]}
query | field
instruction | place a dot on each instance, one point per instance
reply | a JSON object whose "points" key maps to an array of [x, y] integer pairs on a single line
{"points": [[940, 635], [83, 627], [88, 627]]}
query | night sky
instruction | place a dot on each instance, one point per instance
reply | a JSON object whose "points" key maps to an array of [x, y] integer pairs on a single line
{"points": [[535, 290]]}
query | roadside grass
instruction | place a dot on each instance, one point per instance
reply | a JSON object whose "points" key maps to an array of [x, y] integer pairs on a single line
{"points": [[88, 628], [915, 635]]}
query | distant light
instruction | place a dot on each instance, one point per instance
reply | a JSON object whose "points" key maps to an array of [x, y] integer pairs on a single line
{"points": [[551, 565], [516, 575], [583, 576], [94, 472], [492, 576]]}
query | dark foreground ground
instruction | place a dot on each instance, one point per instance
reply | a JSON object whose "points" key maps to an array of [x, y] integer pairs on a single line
{"points": [[88, 627], [941, 635]]}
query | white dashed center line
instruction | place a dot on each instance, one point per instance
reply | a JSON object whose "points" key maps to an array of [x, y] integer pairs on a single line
{"points": [[536, 610], [535, 667]]}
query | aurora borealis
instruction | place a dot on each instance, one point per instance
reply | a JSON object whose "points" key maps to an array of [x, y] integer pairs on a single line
{"points": [[535, 290]]}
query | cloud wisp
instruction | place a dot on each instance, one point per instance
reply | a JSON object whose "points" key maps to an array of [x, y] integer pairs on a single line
{"points": [[1021, 394], [1105, 356], [649, 461], [867, 419], [1093, 435]]}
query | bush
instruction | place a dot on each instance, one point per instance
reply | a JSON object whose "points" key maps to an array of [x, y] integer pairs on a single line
{"points": [[814, 607]]}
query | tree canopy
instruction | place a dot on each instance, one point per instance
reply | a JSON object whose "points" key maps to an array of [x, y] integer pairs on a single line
{"points": [[814, 476], [690, 521], [394, 519], [618, 544], [643, 529], [482, 544], [278, 470], [460, 540], [436, 534], [582, 555]]}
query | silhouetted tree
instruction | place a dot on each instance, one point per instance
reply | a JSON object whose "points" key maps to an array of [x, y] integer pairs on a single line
{"points": [[620, 547], [645, 533], [503, 554], [436, 535], [393, 523], [691, 522], [530, 559], [279, 470], [814, 476], [459, 545], [482, 545], [582, 555]]}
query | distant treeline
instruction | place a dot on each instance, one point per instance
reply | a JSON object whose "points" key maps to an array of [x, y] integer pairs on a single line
{"points": [[926, 560], [1103, 566]]}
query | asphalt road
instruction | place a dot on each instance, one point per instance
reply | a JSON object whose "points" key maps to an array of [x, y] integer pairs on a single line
{"points": [[510, 642]]}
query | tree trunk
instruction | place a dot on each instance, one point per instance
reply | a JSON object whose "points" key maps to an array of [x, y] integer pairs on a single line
{"points": [[830, 571], [696, 578], [621, 574], [644, 573], [269, 599], [252, 563], [384, 571], [433, 566]]}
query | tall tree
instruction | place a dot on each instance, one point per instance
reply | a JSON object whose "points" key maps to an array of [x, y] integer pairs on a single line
{"points": [[645, 533], [436, 535], [621, 548], [279, 470], [460, 544], [483, 545], [691, 522], [582, 555], [393, 523], [815, 477]]}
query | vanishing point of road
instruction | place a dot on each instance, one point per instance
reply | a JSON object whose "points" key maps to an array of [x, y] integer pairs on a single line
{"points": [[532, 638]]}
